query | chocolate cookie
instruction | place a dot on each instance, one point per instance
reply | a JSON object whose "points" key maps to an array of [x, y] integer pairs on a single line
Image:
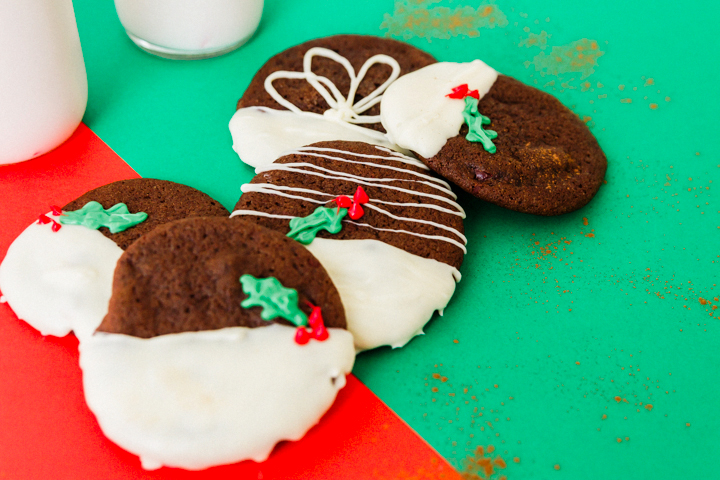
{"points": [[357, 49], [185, 276], [57, 274], [178, 375], [392, 245], [517, 147], [163, 201]]}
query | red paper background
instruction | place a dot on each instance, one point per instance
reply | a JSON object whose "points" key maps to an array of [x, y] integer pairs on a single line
{"points": [[47, 431]]}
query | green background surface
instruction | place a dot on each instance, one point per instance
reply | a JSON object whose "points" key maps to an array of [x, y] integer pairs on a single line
{"points": [[556, 324]]}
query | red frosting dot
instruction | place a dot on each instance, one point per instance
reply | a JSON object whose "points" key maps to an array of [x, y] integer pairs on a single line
{"points": [[356, 211], [320, 333], [458, 92], [360, 196], [302, 336], [343, 201]]}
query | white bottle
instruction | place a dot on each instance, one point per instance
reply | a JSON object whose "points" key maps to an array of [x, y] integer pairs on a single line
{"points": [[43, 84], [189, 29]]}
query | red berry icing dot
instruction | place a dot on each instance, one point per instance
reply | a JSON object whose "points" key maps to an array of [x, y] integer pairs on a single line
{"points": [[302, 336], [354, 206], [320, 333], [360, 196], [343, 201], [44, 219], [317, 328], [462, 91], [356, 211]]}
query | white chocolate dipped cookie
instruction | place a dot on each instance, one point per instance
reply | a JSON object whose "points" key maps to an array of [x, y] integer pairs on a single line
{"points": [[387, 230], [322, 90], [57, 274], [59, 280], [207, 345], [496, 138]]}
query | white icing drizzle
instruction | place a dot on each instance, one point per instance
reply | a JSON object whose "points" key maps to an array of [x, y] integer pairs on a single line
{"points": [[400, 157], [266, 187], [272, 191], [430, 237], [297, 167], [383, 167], [350, 177], [238, 213], [197, 399], [361, 180], [341, 108], [388, 293], [61, 281], [416, 112], [418, 220]]}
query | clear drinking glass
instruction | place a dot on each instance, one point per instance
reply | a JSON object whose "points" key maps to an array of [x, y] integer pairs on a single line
{"points": [[189, 29]]}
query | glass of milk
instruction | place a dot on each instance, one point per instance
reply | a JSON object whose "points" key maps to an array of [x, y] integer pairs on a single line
{"points": [[43, 85], [189, 29]]}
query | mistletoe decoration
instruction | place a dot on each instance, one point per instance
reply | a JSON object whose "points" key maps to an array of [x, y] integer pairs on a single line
{"points": [[304, 229], [275, 300], [116, 218], [279, 301], [474, 119]]}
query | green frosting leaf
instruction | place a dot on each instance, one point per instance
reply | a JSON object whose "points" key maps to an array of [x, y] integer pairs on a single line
{"points": [[475, 121], [117, 218], [304, 229], [276, 300]]}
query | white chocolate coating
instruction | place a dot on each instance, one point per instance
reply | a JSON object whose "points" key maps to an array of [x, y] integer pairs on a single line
{"points": [[416, 112], [60, 281], [197, 399], [261, 135], [389, 294]]}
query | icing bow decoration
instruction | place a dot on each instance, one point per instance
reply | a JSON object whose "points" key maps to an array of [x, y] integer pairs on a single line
{"points": [[279, 301], [305, 229], [342, 109], [474, 119], [354, 206], [116, 218]]}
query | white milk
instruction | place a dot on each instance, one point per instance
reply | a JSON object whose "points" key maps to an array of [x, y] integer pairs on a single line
{"points": [[189, 28], [43, 85]]}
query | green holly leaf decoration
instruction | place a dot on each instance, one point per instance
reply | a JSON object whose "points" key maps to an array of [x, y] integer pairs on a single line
{"points": [[275, 300], [117, 218], [475, 121], [304, 229]]}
